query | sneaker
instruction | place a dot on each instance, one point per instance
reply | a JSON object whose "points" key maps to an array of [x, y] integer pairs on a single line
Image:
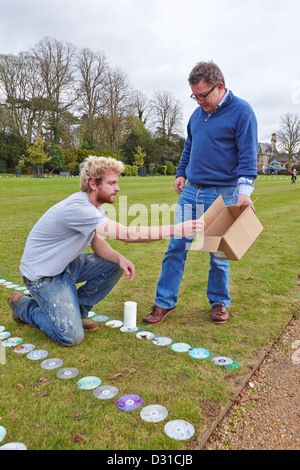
{"points": [[89, 325], [11, 300]]}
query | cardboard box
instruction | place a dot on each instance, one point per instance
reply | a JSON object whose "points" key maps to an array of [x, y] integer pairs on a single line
{"points": [[229, 231]]}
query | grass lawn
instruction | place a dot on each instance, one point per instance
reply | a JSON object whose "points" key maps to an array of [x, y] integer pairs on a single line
{"points": [[49, 413]]}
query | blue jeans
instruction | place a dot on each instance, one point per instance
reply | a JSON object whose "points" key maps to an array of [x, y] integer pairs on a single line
{"points": [[173, 264], [58, 307]]}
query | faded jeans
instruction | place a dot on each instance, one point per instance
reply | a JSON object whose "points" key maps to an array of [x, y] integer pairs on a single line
{"points": [[58, 307], [173, 264]]}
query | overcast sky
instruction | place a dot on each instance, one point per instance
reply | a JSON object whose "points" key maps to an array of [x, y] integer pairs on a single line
{"points": [[156, 43]]}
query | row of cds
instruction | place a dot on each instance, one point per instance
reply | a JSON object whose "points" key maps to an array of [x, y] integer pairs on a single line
{"points": [[175, 429], [196, 353]]}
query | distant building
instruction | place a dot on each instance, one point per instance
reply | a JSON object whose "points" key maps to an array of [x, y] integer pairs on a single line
{"points": [[268, 155]]}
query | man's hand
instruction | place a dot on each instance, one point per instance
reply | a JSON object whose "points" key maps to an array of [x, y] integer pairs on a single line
{"points": [[179, 184], [188, 228], [128, 268], [244, 199]]}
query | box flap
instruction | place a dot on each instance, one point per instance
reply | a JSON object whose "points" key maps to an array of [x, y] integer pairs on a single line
{"points": [[209, 243], [212, 212]]}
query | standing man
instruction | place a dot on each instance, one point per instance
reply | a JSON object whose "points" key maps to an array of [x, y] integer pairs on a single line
{"points": [[219, 158], [53, 260]]}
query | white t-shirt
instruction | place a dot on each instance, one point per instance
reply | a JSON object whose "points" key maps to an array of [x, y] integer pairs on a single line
{"points": [[60, 235]]}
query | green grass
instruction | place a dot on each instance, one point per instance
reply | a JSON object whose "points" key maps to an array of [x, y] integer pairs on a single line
{"points": [[194, 390]]}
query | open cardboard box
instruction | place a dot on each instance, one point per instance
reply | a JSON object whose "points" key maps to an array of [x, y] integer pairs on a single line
{"points": [[229, 231]]}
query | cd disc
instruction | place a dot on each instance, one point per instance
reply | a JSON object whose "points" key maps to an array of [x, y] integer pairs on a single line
{"points": [[199, 353], [52, 363], [2, 281], [2, 328], [114, 323], [67, 373], [129, 402], [37, 354], [24, 348], [125, 329], [20, 288], [100, 318], [12, 286], [12, 342], [91, 314], [162, 341], [179, 429], [89, 383], [2, 433], [14, 446], [181, 347], [105, 392], [154, 413], [221, 360], [4, 335], [145, 335]]}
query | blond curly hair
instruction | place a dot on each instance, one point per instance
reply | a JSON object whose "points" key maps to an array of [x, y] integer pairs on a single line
{"points": [[95, 168]]}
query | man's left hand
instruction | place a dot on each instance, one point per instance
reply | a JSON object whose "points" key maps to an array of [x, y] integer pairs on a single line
{"points": [[244, 199]]}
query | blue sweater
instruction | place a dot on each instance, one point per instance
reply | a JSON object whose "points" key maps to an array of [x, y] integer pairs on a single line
{"points": [[221, 147]]}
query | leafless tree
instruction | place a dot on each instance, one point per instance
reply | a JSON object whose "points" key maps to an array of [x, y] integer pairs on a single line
{"points": [[119, 105], [54, 63], [168, 114], [289, 135], [25, 95], [92, 69]]}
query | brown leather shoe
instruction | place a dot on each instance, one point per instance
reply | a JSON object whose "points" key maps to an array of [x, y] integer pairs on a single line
{"points": [[11, 300], [89, 325], [220, 313], [157, 314]]}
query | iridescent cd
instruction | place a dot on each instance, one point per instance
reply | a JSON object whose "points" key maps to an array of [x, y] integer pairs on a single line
{"points": [[154, 413], [129, 402], [12, 286], [67, 373], [181, 347], [199, 353], [162, 341], [7, 283], [89, 383], [105, 392], [114, 323], [5, 335], [24, 348], [37, 354], [100, 318], [2, 433], [179, 429], [2, 281], [91, 314], [14, 446], [221, 360], [27, 292], [145, 335], [10, 342], [20, 288], [2, 328], [52, 363], [125, 329]]}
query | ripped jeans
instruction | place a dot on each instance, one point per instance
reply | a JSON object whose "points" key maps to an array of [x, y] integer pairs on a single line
{"points": [[57, 307]]}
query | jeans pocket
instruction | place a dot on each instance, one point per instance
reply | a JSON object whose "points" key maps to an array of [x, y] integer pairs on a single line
{"points": [[42, 283], [227, 192]]}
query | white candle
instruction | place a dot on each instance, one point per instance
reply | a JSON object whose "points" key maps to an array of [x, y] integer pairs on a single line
{"points": [[130, 309]]}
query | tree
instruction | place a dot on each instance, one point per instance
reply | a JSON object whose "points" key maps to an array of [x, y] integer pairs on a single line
{"points": [[35, 155], [119, 106], [92, 68], [167, 113], [289, 135], [53, 60]]}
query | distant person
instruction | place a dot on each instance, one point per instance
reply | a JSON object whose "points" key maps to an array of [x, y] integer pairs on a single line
{"points": [[219, 158], [53, 261], [294, 176]]}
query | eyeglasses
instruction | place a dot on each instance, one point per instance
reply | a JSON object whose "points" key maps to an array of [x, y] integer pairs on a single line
{"points": [[203, 97]]}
